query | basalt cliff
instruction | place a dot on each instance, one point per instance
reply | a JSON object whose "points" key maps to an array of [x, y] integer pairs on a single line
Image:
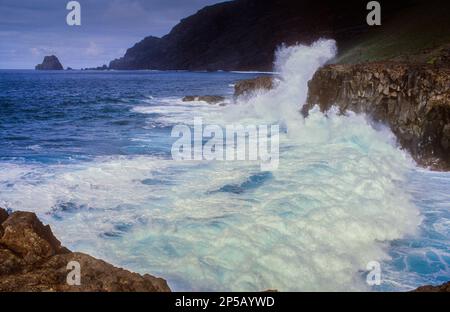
{"points": [[413, 100], [32, 259]]}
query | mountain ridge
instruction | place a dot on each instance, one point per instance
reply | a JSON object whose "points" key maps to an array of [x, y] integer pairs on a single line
{"points": [[244, 34]]}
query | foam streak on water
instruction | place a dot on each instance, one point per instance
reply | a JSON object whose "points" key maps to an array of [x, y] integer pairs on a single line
{"points": [[343, 193]]}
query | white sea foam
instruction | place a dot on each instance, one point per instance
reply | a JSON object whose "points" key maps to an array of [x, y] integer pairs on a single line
{"points": [[172, 110], [336, 201]]}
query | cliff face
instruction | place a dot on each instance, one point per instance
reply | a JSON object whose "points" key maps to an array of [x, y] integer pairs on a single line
{"points": [[50, 63], [414, 100], [32, 259], [243, 34]]}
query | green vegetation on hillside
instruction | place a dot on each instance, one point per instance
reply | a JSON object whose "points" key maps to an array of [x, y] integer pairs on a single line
{"points": [[420, 33]]}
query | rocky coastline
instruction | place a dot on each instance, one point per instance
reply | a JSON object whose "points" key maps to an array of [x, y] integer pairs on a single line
{"points": [[33, 259], [412, 99]]}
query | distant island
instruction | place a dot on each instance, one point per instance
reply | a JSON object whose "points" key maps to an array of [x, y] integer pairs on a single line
{"points": [[50, 63]]}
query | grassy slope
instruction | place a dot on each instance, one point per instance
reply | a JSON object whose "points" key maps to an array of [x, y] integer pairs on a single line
{"points": [[417, 34]]}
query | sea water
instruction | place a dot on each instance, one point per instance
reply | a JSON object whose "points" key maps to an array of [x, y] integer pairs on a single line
{"points": [[89, 152]]}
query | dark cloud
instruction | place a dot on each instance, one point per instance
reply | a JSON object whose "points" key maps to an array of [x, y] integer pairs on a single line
{"points": [[30, 29]]}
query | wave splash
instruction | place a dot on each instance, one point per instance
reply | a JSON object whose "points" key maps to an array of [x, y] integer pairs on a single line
{"points": [[332, 207]]}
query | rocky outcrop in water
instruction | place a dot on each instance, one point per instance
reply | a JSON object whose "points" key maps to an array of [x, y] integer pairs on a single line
{"points": [[32, 259], [414, 100], [247, 87], [210, 99], [50, 63]]}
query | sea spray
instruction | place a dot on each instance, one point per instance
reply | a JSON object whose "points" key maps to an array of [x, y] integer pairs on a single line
{"points": [[334, 204], [296, 65]]}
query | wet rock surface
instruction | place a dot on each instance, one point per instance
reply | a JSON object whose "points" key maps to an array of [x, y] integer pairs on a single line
{"points": [[249, 86], [32, 259], [414, 100]]}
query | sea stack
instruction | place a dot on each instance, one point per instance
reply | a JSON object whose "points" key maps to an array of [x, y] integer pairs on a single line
{"points": [[50, 63]]}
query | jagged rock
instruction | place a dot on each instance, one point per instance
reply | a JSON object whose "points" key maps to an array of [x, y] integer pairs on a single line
{"points": [[28, 238], [32, 259], [50, 63], [3, 215], [428, 288], [246, 87], [210, 99], [414, 100], [418, 111]]}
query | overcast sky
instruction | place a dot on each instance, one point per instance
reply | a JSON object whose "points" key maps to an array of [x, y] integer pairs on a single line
{"points": [[31, 29]]}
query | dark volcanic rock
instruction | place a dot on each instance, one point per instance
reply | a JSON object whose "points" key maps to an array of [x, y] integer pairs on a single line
{"points": [[244, 34], [3, 215], [210, 99], [32, 259], [50, 63], [247, 87], [414, 100]]}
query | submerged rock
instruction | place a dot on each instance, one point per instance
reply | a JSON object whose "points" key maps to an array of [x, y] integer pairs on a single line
{"points": [[50, 63], [210, 99], [32, 259]]}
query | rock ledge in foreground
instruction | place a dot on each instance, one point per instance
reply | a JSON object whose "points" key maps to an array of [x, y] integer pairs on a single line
{"points": [[32, 259]]}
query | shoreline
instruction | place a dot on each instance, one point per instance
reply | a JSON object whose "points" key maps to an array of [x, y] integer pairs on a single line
{"points": [[33, 259], [396, 94]]}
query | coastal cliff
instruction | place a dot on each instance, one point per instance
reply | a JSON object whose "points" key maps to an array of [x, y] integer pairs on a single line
{"points": [[413, 100], [244, 34], [32, 259]]}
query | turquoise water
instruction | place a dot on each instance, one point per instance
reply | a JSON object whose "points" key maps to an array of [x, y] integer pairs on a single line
{"points": [[90, 153]]}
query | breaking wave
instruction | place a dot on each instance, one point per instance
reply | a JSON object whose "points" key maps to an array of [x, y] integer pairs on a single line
{"points": [[336, 202]]}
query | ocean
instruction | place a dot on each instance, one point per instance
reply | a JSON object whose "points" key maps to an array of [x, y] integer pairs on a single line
{"points": [[90, 153]]}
